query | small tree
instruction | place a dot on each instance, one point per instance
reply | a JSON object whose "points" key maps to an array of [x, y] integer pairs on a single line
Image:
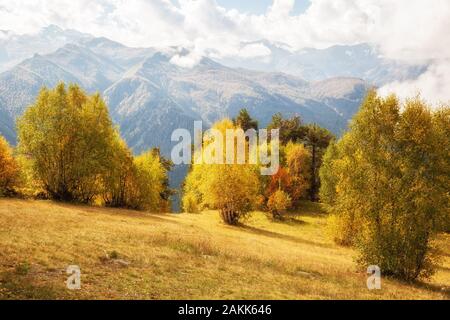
{"points": [[9, 169], [298, 161], [230, 188], [148, 182], [245, 121], [190, 204], [317, 140], [135, 182], [117, 185], [328, 178], [278, 203]]}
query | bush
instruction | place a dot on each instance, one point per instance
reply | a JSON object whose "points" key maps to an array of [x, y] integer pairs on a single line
{"points": [[9, 169], [190, 204], [278, 203], [341, 229], [134, 182]]}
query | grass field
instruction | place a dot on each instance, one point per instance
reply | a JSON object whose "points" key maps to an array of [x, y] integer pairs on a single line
{"points": [[131, 255]]}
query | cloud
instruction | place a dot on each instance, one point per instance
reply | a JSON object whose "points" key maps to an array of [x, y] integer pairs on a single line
{"points": [[433, 85], [186, 60], [254, 50], [411, 31]]}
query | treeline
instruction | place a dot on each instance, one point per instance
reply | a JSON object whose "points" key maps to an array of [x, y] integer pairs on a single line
{"points": [[386, 184], [236, 190], [69, 150]]}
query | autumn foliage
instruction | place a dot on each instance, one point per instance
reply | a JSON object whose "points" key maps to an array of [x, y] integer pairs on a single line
{"points": [[72, 152], [386, 183], [9, 170]]}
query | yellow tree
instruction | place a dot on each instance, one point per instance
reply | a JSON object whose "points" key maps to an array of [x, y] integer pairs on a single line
{"points": [[67, 136], [441, 122], [117, 184], [9, 169], [387, 170], [148, 182], [298, 161], [230, 188]]}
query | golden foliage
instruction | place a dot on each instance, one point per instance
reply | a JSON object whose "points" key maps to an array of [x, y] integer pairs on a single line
{"points": [[9, 169], [390, 179], [71, 151], [230, 188], [278, 203]]}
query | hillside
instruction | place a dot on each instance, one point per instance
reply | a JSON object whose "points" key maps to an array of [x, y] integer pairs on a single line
{"points": [[131, 255]]}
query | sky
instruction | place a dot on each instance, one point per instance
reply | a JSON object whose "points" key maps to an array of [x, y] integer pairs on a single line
{"points": [[412, 31], [260, 6]]}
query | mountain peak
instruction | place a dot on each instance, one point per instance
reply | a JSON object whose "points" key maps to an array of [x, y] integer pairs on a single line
{"points": [[51, 29]]}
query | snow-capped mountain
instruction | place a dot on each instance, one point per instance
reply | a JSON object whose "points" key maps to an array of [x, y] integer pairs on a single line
{"points": [[359, 61], [15, 48]]}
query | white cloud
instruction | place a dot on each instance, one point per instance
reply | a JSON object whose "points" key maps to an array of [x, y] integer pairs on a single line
{"points": [[433, 85], [186, 60], [254, 50], [413, 31]]}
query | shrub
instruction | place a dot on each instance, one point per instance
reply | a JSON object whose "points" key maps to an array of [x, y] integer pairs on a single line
{"points": [[190, 204], [134, 182], [9, 169], [341, 229], [278, 203]]}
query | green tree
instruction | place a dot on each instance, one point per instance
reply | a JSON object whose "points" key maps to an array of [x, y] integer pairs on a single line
{"points": [[245, 121], [328, 177], [290, 129], [317, 140]]}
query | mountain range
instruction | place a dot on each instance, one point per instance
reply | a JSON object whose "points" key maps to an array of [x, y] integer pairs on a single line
{"points": [[359, 61], [149, 95]]}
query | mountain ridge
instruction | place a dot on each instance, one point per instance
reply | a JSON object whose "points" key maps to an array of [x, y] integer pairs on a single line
{"points": [[207, 91]]}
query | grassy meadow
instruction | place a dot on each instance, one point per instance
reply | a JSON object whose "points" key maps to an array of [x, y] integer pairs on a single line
{"points": [[133, 255]]}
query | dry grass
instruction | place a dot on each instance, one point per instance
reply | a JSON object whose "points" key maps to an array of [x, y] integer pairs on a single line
{"points": [[183, 257]]}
